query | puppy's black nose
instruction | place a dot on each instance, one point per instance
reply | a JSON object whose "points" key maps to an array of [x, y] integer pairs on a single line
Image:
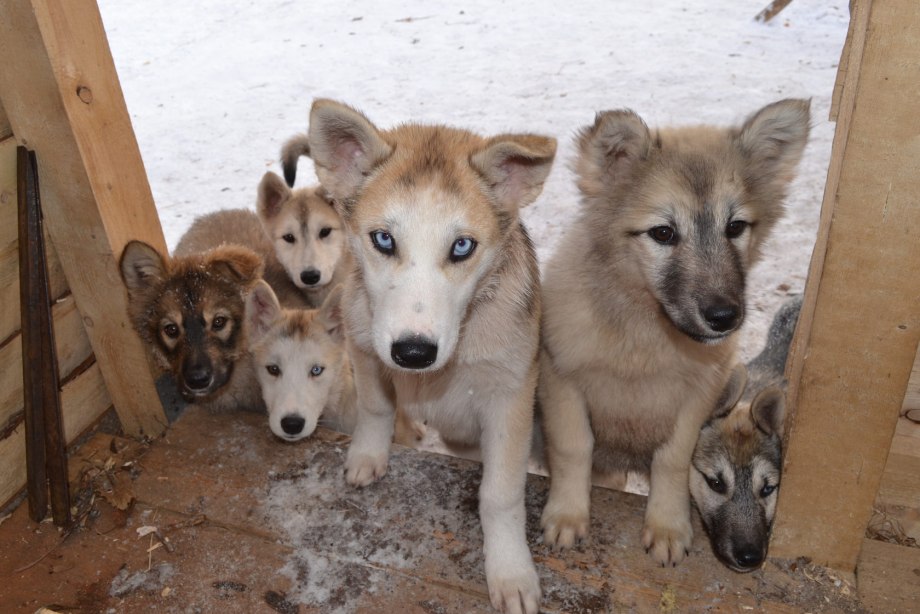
{"points": [[310, 277], [414, 353], [748, 556], [292, 425], [197, 377], [721, 316]]}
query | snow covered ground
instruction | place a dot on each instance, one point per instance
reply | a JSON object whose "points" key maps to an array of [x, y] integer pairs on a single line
{"points": [[215, 86]]}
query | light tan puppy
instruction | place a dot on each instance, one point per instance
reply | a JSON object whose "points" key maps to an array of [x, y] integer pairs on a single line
{"points": [[297, 233], [641, 300], [442, 308]]}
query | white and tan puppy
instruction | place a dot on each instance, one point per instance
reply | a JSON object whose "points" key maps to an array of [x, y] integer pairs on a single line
{"points": [[297, 233], [300, 361], [641, 300], [442, 308]]}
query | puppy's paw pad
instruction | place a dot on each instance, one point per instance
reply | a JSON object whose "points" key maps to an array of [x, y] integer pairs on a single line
{"points": [[363, 470], [516, 594], [667, 545], [562, 530]]}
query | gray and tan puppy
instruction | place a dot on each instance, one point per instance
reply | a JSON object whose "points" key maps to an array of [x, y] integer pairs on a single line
{"points": [[297, 233], [442, 308], [736, 465], [641, 300]]}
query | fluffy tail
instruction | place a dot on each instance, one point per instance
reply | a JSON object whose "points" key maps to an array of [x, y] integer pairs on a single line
{"points": [[295, 147], [779, 337]]}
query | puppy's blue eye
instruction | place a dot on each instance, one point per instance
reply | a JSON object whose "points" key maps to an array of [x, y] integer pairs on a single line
{"points": [[384, 242], [316, 370], [767, 490], [462, 249]]}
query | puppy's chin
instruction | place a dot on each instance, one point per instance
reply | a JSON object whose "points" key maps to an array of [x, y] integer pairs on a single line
{"points": [[700, 334]]}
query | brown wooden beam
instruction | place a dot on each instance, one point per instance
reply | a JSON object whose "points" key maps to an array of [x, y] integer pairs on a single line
{"points": [[860, 323], [61, 93]]}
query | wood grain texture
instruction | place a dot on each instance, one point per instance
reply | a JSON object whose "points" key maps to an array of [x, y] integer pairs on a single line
{"points": [[860, 325], [5, 129], [889, 577], [73, 349], [9, 246], [83, 400], [61, 93]]}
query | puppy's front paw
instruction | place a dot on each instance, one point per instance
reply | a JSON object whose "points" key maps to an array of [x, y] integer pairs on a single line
{"points": [[515, 593], [364, 469], [667, 543], [563, 527]]}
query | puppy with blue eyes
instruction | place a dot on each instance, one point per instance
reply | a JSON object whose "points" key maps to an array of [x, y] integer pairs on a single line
{"points": [[299, 358], [442, 306]]}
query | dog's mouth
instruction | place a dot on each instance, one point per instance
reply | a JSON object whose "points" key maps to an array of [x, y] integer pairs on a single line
{"points": [[698, 332], [218, 380]]}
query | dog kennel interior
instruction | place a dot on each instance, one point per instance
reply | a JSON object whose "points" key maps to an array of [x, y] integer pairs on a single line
{"points": [[187, 514]]}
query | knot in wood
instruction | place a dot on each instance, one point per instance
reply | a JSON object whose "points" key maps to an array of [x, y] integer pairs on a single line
{"points": [[85, 94]]}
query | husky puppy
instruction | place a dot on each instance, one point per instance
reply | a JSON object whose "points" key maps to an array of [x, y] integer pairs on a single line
{"points": [[442, 307], [297, 233], [641, 300], [189, 312], [736, 465], [303, 369], [300, 361]]}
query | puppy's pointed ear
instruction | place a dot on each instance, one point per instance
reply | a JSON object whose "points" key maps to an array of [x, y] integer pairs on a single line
{"points": [[772, 141], [769, 410], [141, 266], [293, 148], [272, 194], [238, 263], [609, 150], [515, 166], [345, 147], [262, 309], [732, 392], [330, 314]]}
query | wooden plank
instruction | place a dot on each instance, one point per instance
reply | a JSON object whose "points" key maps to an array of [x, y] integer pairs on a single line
{"points": [[912, 398], [860, 325], [9, 247], [61, 93], [5, 129], [889, 577], [83, 400], [901, 481], [73, 349], [840, 80]]}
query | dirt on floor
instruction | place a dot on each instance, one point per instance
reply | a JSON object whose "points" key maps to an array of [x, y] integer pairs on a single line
{"points": [[218, 516]]}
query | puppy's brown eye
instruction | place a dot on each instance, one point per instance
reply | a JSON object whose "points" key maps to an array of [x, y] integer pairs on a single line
{"points": [[664, 235], [717, 484], [289, 238], [219, 323], [171, 331], [324, 233], [735, 229], [273, 370]]}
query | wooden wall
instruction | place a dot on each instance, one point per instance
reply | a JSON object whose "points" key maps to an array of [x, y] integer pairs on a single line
{"points": [[60, 97], [860, 324]]}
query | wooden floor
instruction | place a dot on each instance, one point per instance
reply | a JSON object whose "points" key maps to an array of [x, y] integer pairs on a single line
{"points": [[246, 523]]}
